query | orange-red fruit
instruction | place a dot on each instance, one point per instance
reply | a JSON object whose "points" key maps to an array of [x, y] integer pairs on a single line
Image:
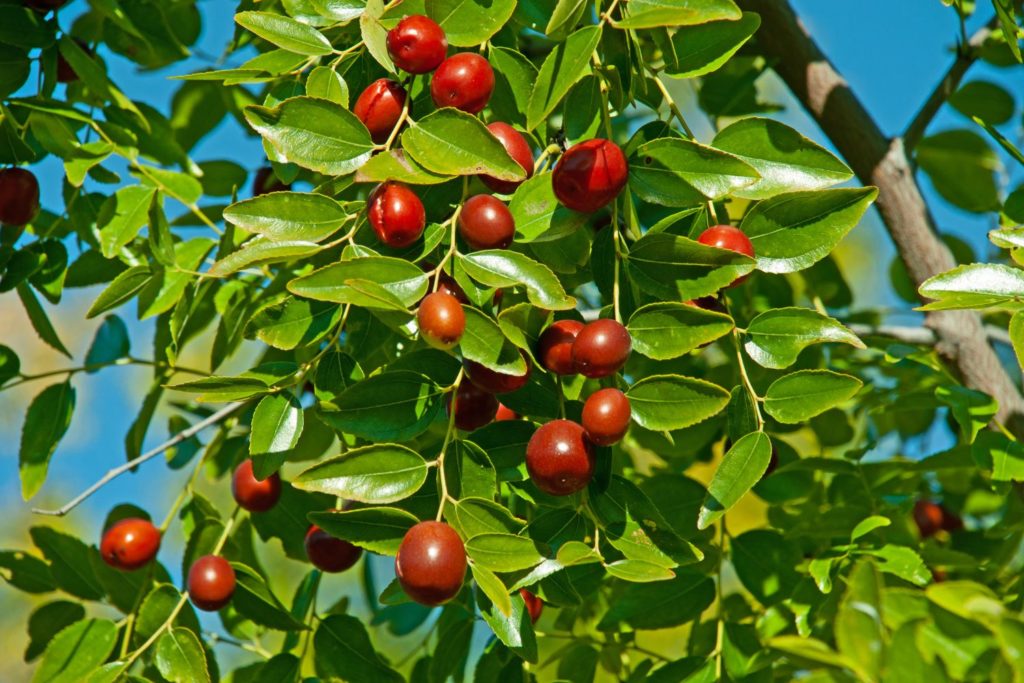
{"points": [[728, 237], [518, 148], [493, 381], [417, 45], [252, 494], [379, 107], [330, 554], [559, 458], [441, 320], [474, 407], [606, 414], [534, 605], [590, 175], [505, 413], [601, 348], [396, 214], [19, 196], [431, 563], [486, 223], [211, 583], [928, 517], [464, 81], [130, 543], [554, 348]]}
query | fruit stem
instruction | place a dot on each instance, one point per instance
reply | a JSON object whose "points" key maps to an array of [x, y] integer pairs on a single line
{"points": [[673, 109], [402, 117], [615, 274], [744, 377], [606, 16], [720, 608], [444, 447], [542, 160], [712, 214], [452, 247]]}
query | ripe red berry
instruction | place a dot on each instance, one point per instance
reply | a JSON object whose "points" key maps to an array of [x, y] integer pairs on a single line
{"points": [[464, 81], [441, 320], [554, 349], [590, 175], [417, 44], [518, 148], [606, 416], [486, 223], [211, 583], [505, 413], [534, 605], [130, 544], [265, 181], [379, 107], [328, 553], [474, 407], [559, 458], [252, 494], [928, 517], [431, 563], [601, 348], [493, 381], [396, 214], [19, 196]]}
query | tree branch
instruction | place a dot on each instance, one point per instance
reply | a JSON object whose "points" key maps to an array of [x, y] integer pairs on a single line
{"points": [[922, 336], [960, 337]]}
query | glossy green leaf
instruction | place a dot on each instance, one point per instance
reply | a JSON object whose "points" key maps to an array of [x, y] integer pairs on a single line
{"points": [[381, 473], [47, 621], [125, 212], [665, 402], [962, 167], [483, 342], [70, 562], [289, 216], [677, 268], [801, 395], [777, 337], [973, 410], [639, 571], [502, 268], [110, 343], [126, 285], [260, 252], [663, 331], [73, 654], [254, 601], [984, 99], [285, 32], [539, 216], [180, 657], [46, 422], [504, 552], [377, 529], [294, 322], [396, 165], [475, 516], [765, 562], [514, 628], [678, 172], [741, 468], [653, 13], [343, 650], [452, 142], [468, 23], [276, 427], [326, 84], [566, 64], [333, 283], [976, 285], [702, 48], [679, 600], [396, 405]]}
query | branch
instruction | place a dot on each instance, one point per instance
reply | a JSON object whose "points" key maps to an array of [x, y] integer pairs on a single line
{"points": [[960, 338], [131, 464], [921, 336]]}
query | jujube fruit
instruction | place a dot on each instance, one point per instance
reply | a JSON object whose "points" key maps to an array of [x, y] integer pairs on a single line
{"points": [[252, 494], [606, 415], [19, 196], [728, 237], [379, 107], [441, 320], [211, 583], [928, 517], [518, 148], [473, 406], [554, 348], [445, 283], [130, 543], [601, 348], [590, 175], [534, 605], [431, 563], [266, 181], [330, 554], [417, 45], [493, 381], [464, 81], [486, 223], [559, 458], [396, 214], [505, 413]]}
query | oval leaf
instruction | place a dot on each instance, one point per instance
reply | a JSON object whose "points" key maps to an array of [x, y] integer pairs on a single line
{"points": [[802, 395], [741, 468], [666, 402], [381, 473]]}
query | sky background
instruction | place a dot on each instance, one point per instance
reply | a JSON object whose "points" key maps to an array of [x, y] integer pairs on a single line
{"points": [[892, 52]]}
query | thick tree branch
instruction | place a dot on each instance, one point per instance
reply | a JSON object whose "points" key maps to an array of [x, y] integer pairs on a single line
{"points": [[961, 339]]}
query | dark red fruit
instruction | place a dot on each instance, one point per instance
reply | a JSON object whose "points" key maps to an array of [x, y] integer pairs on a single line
{"points": [[328, 553], [130, 544], [559, 458], [486, 223], [379, 107], [464, 81], [431, 563], [211, 583], [518, 148], [252, 494], [606, 416], [19, 196], [928, 517], [396, 214], [265, 181], [708, 303], [554, 349], [45, 5], [590, 175], [504, 413], [950, 520], [601, 348], [417, 45], [441, 320], [493, 381], [534, 605], [474, 407]]}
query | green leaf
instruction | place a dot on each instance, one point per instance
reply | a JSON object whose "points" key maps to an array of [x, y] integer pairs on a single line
{"points": [[316, 134], [1016, 330], [502, 268], [25, 572], [564, 66], [126, 285], [985, 100], [678, 172], [15, 67], [180, 657], [254, 601], [493, 588], [777, 337], [377, 474], [976, 285], [963, 168], [110, 343], [539, 216], [504, 552], [523, 324], [639, 571], [667, 402], [483, 342], [740, 469], [564, 17], [285, 32], [326, 84], [375, 34], [10, 364], [514, 628], [785, 159], [703, 48], [973, 410], [339, 10], [902, 562], [377, 529], [1007, 146], [289, 216], [76, 651], [157, 607], [25, 28], [795, 230], [468, 23], [474, 516], [396, 405], [216, 389], [679, 600], [343, 650], [860, 632], [452, 142], [40, 321], [182, 187], [70, 563], [1008, 22], [260, 251], [276, 427], [663, 331], [653, 13], [46, 422], [1002, 457], [395, 164], [287, 521], [334, 283], [799, 396], [765, 562], [675, 267], [126, 211], [293, 323], [47, 621]]}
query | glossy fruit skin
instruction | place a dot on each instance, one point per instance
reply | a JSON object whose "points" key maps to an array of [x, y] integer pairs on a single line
{"points": [[464, 81], [417, 45], [505, 413], [431, 563], [928, 517], [554, 348], [130, 544], [265, 181], [330, 554], [601, 348], [486, 223], [379, 107], [496, 382], [606, 415], [559, 458], [728, 237], [474, 407], [590, 175], [252, 494], [211, 583], [441, 320], [19, 196], [534, 605], [518, 148], [396, 214]]}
